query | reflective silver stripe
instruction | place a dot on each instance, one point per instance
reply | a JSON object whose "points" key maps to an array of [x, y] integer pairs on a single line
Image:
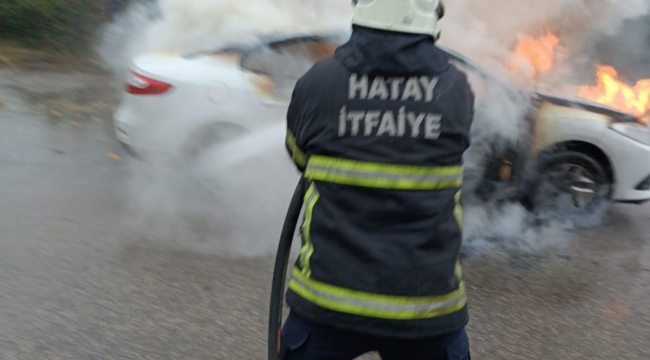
{"points": [[311, 197], [378, 306], [393, 177], [297, 154], [383, 175], [458, 210]]}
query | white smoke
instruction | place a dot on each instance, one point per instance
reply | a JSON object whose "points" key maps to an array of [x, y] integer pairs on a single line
{"points": [[127, 36], [488, 30], [244, 206], [180, 27], [228, 205]]}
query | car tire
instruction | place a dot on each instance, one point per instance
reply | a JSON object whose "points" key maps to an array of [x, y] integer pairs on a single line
{"points": [[566, 184]]}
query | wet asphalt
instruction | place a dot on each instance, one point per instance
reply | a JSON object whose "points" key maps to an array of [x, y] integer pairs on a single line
{"points": [[73, 286]]}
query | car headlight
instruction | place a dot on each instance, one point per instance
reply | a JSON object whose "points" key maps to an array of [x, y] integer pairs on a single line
{"points": [[637, 132]]}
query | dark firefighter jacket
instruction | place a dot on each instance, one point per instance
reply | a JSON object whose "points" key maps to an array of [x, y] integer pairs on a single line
{"points": [[379, 131]]}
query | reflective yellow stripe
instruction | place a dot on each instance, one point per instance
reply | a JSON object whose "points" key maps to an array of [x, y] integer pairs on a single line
{"points": [[458, 211], [386, 176], [374, 305], [311, 197], [297, 154]]}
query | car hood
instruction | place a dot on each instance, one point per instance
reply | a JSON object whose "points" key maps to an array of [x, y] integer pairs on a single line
{"points": [[615, 115]]}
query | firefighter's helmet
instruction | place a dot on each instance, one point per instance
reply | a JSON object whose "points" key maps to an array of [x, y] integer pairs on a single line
{"points": [[408, 16]]}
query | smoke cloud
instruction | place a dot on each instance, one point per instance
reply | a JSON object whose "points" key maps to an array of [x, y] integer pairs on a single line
{"points": [[488, 31], [234, 199]]}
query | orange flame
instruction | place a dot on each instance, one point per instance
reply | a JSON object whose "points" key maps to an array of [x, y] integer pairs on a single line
{"points": [[539, 55], [612, 92], [538, 52]]}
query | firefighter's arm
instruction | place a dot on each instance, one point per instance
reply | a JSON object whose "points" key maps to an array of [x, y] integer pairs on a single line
{"points": [[295, 120]]}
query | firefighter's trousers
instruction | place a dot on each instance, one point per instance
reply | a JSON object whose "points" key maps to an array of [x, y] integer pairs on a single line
{"points": [[305, 340]]}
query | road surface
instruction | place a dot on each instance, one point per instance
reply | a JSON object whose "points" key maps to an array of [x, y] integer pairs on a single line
{"points": [[74, 285]]}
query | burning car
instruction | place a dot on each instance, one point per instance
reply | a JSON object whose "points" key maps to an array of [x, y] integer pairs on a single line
{"points": [[570, 149]]}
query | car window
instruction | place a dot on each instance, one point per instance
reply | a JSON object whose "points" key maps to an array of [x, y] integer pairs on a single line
{"points": [[286, 61]]}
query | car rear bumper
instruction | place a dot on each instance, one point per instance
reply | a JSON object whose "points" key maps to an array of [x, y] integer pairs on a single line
{"points": [[129, 129], [137, 135]]}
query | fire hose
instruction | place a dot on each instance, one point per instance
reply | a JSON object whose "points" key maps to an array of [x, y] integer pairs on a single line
{"points": [[280, 270]]}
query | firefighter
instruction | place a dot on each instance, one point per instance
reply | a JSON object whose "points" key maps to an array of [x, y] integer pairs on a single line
{"points": [[379, 131]]}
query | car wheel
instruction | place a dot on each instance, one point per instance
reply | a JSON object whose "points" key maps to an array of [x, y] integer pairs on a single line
{"points": [[569, 183]]}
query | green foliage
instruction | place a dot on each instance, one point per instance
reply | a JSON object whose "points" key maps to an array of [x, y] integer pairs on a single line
{"points": [[60, 25]]}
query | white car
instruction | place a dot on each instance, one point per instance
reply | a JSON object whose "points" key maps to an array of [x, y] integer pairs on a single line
{"points": [[213, 96], [182, 105]]}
